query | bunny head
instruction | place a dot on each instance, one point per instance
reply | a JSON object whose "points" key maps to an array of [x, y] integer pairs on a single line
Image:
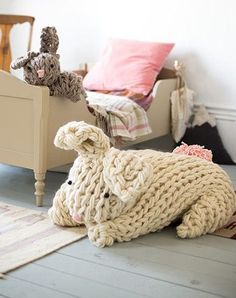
{"points": [[41, 68], [104, 182]]}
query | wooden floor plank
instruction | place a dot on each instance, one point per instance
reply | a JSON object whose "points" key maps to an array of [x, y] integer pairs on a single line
{"points": [[17, 186], [230, 169], [200, 247], [70, 284], [4, 296], [137, 283], [224, 244], [189, 271], [17, 288]]}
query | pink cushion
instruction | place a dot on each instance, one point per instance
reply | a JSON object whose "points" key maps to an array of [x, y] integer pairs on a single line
{"points": [[128, 64]]}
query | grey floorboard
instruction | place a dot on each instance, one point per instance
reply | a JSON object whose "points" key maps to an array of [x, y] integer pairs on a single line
{"points": [[189, 271], [117, 278], [18, 288], [206, 247], [70, 284], [17, 186]]}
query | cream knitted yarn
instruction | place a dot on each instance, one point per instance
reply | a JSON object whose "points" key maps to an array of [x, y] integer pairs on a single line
{"points": [[120, 195]]}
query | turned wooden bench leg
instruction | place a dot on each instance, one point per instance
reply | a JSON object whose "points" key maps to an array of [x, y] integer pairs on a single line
{"points": [[39, 188]]}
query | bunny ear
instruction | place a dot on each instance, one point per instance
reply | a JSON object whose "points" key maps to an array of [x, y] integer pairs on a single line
{"points": [[126, 174], [22, 61], [82, 137], [49, 40]]}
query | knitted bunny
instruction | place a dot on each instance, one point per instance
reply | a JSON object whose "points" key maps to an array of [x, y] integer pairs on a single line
{"points": [[120, 195], [43, 69]]}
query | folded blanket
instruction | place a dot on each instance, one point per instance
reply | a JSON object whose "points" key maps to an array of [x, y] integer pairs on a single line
{"points": [[143, 100], [118, 116]]}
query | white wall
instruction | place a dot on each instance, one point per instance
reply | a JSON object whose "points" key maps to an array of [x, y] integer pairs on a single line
{"points": [[204, 32]]}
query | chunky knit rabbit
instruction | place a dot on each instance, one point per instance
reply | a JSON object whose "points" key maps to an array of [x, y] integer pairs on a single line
{"points": [[120, 195], [43, 69]]}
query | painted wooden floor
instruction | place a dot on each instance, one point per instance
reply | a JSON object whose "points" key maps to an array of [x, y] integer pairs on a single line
{"points": [[156, 265]]}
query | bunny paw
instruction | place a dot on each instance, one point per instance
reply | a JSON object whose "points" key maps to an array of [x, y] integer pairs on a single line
{"points": [[99, 236]]}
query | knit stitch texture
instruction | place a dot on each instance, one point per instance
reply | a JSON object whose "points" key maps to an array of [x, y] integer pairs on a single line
{"points": [[43, 69], [120, 195]]}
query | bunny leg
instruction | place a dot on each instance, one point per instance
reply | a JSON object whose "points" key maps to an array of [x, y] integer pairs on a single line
{"points": [[120, 229], [208, 214], [59, 212], [101, 235]]}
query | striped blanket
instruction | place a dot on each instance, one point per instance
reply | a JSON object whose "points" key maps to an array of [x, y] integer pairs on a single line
{"points": [[120, 118], [144, 101]]}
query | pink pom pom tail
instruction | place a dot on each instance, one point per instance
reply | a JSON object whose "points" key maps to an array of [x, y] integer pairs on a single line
{"points": [[194, 150]]}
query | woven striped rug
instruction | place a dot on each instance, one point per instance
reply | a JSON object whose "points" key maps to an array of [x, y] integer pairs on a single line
{"points": [[26, 235]]}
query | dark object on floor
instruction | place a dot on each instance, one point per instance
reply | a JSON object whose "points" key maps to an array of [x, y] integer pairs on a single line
{"points": [[229, 230], [163, 143], [208, 136]]}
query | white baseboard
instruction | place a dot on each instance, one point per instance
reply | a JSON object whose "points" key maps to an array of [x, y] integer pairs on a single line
{"points": [[226, 124], [221, 113]]}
